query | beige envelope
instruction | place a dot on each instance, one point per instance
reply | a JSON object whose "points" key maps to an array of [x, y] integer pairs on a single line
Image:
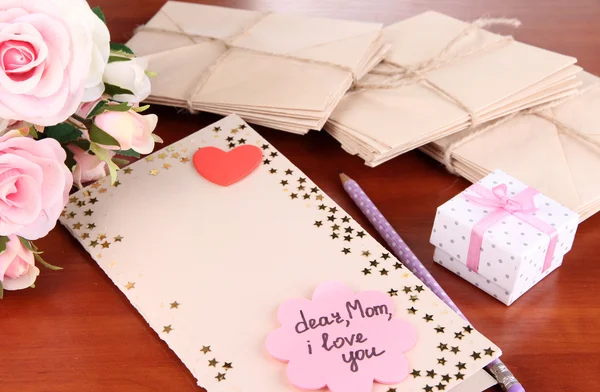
{"points": [[487, 73], [540, 153], [287, 71]]}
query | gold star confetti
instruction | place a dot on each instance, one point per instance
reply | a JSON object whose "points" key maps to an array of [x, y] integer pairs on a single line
{"points": [[77, 226], [118, 238], [184, 150], [205, 349], [235, 131], [99, 255], [91, 226], [103, 190], [88, 213], [405, 275], [105, 245], [167, 328], [93, 200], [175, 305], [184, 160], [154, 172], [227, 366], [117, 183], [93, 243], [96, 185], [127, 170], [175, 155], [101, 237], [130, 285], [85, 236], [87, 194], [80, 203], [170, 148], [73, 199], [220, 377], [162, 155], [71, 215], [167, 166], [213, 362], [149, 159], [320, 197], [63, 213], [366, 253]]}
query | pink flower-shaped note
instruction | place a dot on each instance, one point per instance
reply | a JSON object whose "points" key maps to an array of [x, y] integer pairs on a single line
{"points": [[342, 340]]}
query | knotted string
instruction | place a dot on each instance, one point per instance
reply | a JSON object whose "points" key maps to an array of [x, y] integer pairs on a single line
{"points": [[403, 75], [228, 42], [539, 111]]}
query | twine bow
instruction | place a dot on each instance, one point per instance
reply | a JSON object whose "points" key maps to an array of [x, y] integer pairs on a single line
{"points": [[404, 75]]}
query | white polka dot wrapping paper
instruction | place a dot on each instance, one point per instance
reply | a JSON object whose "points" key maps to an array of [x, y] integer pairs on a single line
{"points": [[502, 236]]}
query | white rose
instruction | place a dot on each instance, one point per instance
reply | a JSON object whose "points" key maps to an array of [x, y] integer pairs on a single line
{"points": [[96, 33], [130, 75]]}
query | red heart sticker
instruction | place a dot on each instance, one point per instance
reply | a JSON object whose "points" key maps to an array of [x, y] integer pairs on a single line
{"points": [[226, 168]]}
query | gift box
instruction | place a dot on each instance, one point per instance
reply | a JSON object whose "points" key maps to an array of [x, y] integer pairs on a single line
{"points": [[502, 235]]}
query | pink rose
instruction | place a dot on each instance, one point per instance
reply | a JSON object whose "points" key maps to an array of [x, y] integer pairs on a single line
{"points": [[132, 130], [44, 62], [89, 167], [17, 266], [34, 186]]}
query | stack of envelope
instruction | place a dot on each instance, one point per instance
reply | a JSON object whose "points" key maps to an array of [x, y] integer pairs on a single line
{"points": [[556, 151], [442, 76], [286, 72]]}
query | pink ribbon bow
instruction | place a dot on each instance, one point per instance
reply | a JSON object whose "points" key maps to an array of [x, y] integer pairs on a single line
{"points": [[521, 206]]}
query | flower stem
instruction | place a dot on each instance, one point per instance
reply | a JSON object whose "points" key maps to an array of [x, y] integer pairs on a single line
{"points": [[79, 118]]}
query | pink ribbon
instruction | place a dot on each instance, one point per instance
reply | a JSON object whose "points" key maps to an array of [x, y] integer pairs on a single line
{"points": [[521, 206]]}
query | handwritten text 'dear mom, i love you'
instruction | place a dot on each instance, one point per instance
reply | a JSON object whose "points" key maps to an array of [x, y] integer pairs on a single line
{"points": [[342, 340]]}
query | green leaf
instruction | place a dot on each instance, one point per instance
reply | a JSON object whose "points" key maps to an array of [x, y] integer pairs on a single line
{"points": [[104, 107], [99, 14], [3, 241], [122, 107], [43, 262], [63, 133], [121, 161], [103, 155], [70, 160], [26, 243], [96, 110], [83, 144], [33, 133], [115, 59], [1, 290], [113, 90], [140, 109], [157, 139], [99, 136], [114, 47], [129, 153]]}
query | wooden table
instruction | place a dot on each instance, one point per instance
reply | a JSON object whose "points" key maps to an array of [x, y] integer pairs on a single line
{"points": [[76, 332]]}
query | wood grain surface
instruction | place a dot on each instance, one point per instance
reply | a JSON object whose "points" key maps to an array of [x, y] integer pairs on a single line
{"points": [[76, 332]]}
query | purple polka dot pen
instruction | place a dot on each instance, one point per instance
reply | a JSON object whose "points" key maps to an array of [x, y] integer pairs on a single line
{"points": [[505, 378]]}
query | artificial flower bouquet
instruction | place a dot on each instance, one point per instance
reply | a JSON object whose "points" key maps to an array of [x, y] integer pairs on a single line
{"points": [[69, 107]]}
